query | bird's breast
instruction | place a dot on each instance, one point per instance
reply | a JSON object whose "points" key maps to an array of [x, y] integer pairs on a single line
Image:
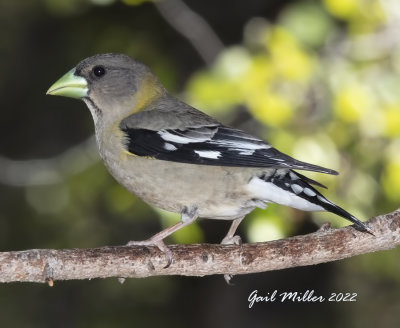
{"points": [[217, 192]]}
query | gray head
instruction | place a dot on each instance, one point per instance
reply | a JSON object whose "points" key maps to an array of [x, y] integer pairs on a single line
{"points": [[110, 84]]}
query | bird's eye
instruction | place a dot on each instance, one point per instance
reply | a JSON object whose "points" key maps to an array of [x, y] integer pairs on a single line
{"points": [[99, 71]]}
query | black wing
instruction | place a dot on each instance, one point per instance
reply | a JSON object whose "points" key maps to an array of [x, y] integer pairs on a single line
{"points": [[211, 145]]}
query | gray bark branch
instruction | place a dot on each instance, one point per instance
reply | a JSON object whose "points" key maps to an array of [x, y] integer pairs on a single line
{"points": [[324, 245]]}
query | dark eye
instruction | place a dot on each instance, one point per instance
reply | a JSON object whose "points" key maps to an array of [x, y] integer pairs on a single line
{"points": [[99, 71]]}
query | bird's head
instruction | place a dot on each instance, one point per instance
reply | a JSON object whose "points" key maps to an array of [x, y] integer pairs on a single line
{"points": [[112, 85]]}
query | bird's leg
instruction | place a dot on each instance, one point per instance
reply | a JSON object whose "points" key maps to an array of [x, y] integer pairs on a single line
{"points": [[230, 237], [187, 217]]}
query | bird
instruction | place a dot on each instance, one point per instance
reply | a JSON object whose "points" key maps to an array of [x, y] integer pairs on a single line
{"points": [[178, 158]]}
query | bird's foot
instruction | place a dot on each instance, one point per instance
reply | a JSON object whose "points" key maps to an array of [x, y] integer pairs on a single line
{"points": [[187, 217], [154, 242], [234, 240], [325, 227], [231, 240]]}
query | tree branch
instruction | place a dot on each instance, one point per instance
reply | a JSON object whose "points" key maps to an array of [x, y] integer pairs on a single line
{"points": [[193, 27], [325, 245]]}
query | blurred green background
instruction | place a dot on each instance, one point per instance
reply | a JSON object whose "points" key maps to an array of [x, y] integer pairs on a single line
{"points": [[318, 79]]}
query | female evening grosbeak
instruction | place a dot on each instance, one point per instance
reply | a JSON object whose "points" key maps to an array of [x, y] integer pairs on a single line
{"points": [[179, 159]]}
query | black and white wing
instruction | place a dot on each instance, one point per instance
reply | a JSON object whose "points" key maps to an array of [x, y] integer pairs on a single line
{"points": [[210, 145]]}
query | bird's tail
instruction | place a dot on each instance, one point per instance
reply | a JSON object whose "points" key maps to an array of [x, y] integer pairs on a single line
{"points": [[293, 189], [333, 208]]}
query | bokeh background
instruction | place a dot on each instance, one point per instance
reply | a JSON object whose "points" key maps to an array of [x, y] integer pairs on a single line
{"points": [[318, 79]]}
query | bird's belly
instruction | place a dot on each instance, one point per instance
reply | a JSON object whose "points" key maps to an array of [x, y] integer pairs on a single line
{"points": [[216, 192]]}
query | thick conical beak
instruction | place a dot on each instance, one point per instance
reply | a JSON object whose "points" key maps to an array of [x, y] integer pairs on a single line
{"points": [[69, 85]]}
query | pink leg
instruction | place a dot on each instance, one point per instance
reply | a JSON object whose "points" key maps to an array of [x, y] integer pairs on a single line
{"points": [[187, 217], [230, 239]]}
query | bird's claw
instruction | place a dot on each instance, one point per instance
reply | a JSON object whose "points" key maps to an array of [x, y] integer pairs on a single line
{"points": [[160, 245], [231, 240], [234, 240]]}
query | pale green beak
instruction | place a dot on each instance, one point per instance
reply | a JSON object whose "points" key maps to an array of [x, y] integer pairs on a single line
{"points": [[69, 85]]}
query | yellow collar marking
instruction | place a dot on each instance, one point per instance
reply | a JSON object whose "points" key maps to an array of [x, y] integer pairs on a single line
{"points": [[149, 90]]}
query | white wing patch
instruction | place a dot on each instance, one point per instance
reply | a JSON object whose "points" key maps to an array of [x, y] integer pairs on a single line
{"points": [[246, 152], [243, 147], [246, 145], [170, 147], [180, 139], [208, 154]]}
